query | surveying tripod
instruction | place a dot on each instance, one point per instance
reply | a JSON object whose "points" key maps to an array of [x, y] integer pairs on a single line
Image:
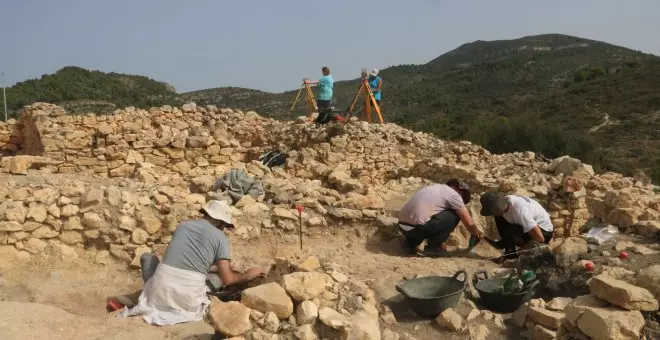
{"points": [[309, 98], [368, 98]]}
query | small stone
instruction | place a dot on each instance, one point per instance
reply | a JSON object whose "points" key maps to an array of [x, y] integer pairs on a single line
{"points": [[339, 277], [310, 264], [478, 332], [91, 220], [271, 322], [127, 223], [138, 253], [37, 212], [304, 285], [307, 312], [546, 318], [139, 236], [70, 210], [333, 319], [450, 319], [558, 303], [229, 318], [642, 250]]}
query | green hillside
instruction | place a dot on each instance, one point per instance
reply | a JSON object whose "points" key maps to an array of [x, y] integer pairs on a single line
{"points": [[543, 93], [80, 90]]}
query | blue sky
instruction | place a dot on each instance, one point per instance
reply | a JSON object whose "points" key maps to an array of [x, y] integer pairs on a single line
{"points": [[271, 45]]}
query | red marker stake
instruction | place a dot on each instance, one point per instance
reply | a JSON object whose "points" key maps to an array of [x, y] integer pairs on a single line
{"points": [[300, 209]]}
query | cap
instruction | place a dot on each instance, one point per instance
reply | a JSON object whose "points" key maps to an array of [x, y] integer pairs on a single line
{"points": [[374, 72], [492, 204], [463, 188], [218, 210]]}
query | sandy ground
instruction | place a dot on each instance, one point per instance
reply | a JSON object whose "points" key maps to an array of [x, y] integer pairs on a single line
{"points": [[66, 300]]}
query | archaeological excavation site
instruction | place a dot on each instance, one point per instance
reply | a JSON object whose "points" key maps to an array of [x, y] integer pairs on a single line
{"points": [[84, 197]]}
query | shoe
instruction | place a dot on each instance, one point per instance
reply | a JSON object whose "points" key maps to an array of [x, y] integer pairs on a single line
{"points": [[409, 250], [435, 252]]}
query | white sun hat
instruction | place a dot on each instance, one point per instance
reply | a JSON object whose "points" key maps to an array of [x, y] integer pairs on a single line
{"points": [[218, 210], [375, 72]]}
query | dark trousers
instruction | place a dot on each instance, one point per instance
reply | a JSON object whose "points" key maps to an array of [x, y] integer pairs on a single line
{"points": [[436, 231], [510, 233], [325, 112]]}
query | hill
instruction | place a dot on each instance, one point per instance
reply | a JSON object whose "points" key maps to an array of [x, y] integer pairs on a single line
{"points": [[554, 94], [79, 90]]}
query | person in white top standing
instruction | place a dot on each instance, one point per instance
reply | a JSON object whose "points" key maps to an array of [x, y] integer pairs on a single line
{"points": [[517, 217]]}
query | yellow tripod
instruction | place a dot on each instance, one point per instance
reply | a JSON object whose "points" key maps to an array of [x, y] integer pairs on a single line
{"points": [[369, 100], [309, 98]]}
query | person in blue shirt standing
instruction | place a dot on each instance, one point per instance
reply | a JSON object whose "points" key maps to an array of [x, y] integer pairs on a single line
{"points": [[324, 92], [375, 82]]}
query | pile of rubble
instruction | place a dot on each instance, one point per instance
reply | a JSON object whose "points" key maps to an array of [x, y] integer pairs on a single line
{"points": [[612, 311], [305, 301]]}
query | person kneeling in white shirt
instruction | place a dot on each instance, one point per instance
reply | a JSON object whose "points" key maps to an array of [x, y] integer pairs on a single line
{"points": [[517, 217]]}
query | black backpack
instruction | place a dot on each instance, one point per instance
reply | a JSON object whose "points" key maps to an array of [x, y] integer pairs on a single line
{"points": [[273, 158]]}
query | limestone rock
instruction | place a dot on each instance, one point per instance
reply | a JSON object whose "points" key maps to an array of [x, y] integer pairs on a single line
{"points": [[538, 332], [611, 323], [622, 294], [450, 319], [91, 199], [306, 312], [558, 303], [71, 237], [139, 236], [37, 212], [271, 322], [478, 332], [304, 285], [91, 220], [35, 245], [569, 251], [333, 319], [306, 332], [649, 278], [365, 327], [269, 297], [6, 226], [229, 318], [310, 264], [544, 317], [15, 211], [127, 223], [138, 253], [519, 317]]}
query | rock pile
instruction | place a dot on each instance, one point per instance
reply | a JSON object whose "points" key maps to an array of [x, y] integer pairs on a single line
{"points": [[612, 311], [158, 166], [301, 302]]}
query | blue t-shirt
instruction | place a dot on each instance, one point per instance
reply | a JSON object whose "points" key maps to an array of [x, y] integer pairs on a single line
{"points": [[325, 88], [373, 83]]}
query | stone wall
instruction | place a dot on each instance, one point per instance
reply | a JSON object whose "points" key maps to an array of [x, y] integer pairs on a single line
{"points": [[145, 170]]}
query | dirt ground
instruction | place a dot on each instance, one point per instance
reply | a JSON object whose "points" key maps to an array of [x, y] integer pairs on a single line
{"points": [[66, 300]]}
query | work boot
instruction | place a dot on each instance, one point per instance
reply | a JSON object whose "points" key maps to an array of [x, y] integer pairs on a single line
{"points": [[437, 251]]}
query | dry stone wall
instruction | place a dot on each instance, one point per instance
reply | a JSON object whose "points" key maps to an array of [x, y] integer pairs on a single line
{"points": [[146, 170]]}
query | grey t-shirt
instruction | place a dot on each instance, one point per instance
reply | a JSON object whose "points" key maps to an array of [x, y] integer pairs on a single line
{"points": [[196, 245]]}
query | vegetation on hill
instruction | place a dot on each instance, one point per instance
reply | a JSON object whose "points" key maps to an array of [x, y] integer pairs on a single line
{"points": [[545, 93], [79, 90]]}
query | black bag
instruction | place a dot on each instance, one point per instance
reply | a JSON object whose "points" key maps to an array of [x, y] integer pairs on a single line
{"points": [[273, 158]]}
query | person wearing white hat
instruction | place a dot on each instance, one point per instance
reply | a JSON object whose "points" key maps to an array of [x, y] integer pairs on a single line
{"points": [[375, 83], [176, 290]]}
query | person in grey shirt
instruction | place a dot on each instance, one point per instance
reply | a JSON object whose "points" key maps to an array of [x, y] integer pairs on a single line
{"points": [[174, 290], [198, 244]]}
